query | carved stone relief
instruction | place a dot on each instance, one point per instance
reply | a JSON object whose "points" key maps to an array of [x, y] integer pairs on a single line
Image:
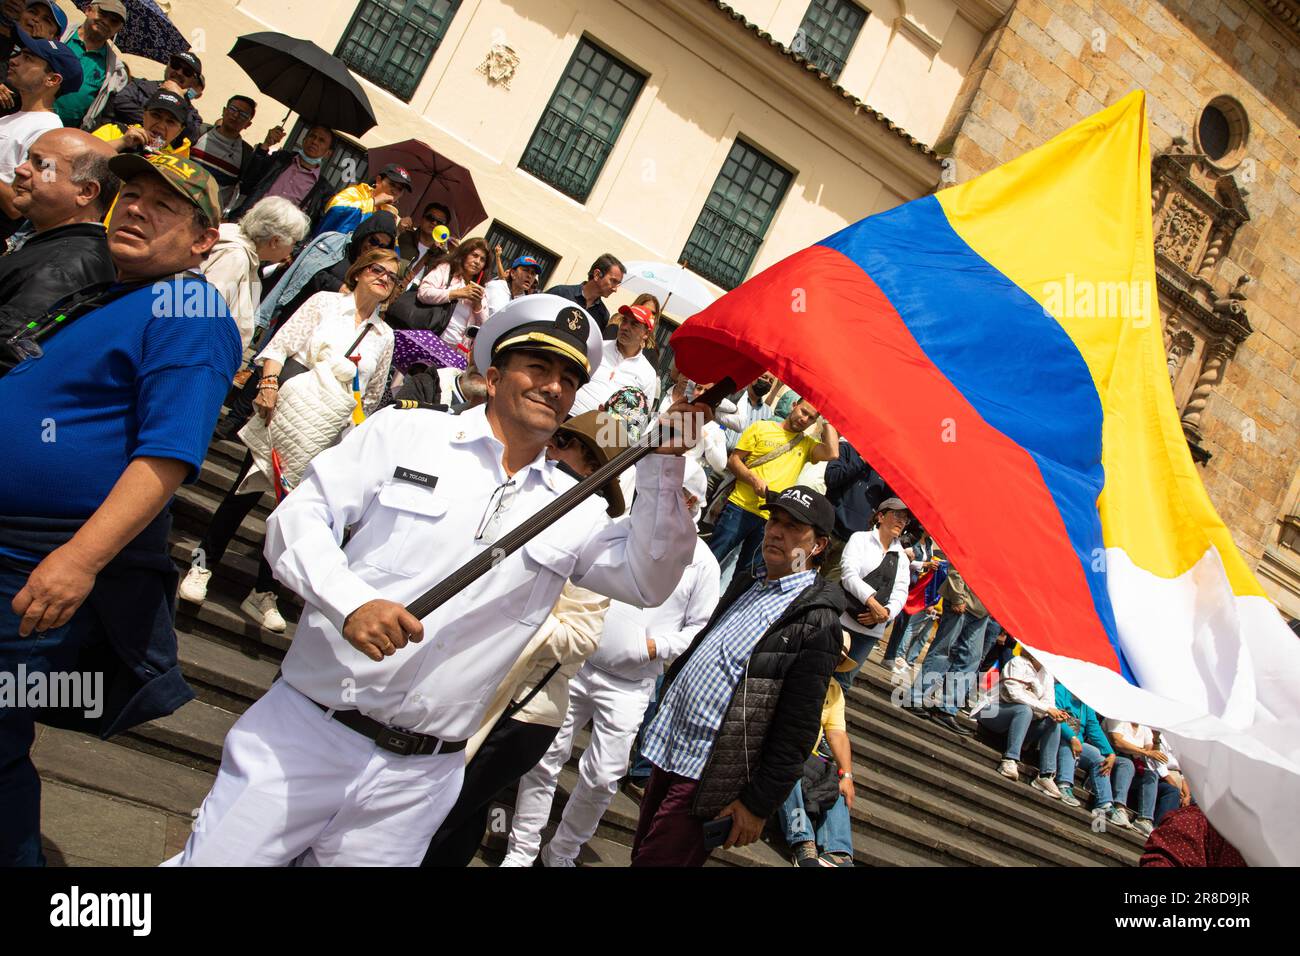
{"points": [[1197, 211]]}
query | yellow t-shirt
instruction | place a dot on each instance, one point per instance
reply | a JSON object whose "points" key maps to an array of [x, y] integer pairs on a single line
{"points": [[833, 717], [779, 473], [110, 132]]}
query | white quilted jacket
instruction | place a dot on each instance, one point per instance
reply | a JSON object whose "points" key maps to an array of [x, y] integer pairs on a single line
{"points": [[313, 409]]}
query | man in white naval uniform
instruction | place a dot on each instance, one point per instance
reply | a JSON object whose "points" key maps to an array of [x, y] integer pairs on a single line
{"points": [[354, 756], [611, 692]]}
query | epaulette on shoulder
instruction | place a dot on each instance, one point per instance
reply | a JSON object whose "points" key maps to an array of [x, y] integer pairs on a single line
{"points": [[416, 403]]}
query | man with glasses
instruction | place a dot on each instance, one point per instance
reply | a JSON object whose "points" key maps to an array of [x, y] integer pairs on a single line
{"points": [[127, 106], [112, 408], [103, 70], [221, 148], [356, 755], [417, 242], [296, 174]]}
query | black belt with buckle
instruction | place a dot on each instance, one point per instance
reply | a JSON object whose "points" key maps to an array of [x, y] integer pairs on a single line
{"points": [[407, 743]]}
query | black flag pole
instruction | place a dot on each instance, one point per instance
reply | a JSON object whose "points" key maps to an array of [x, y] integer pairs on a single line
{"points": [[512, 541]]}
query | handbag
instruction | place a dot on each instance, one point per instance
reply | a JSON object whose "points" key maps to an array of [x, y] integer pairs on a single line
{"points": [[881, 579], [408, 312]]}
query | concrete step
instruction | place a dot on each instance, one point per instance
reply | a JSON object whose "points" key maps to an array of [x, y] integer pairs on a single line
{"points": [[909, 757], [192, 736], [220, 620], [121, 772], [228, 678]]}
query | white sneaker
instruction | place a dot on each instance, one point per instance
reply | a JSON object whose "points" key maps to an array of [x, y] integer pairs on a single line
{"points": [[510, 861], [1046, 785], [194, 587], [551, 860], [260, 606], [1009, 770]]}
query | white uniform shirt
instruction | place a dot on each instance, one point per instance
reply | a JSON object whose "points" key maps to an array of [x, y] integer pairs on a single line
{"points": [[862, 555], [617, 372], [623, 651], [416, 486]]}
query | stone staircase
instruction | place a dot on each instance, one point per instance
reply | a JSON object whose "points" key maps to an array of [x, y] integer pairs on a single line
{"points": [[925, 796]]}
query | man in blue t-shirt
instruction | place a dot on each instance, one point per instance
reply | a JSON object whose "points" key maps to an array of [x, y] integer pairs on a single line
{"points": [[108, 414]]}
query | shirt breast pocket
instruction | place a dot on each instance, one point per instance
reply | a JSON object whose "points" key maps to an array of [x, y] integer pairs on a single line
{"points": [[413, 513], [541, 557]]}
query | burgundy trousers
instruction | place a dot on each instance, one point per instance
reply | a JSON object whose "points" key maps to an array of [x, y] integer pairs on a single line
{"points": [[666, 833]]}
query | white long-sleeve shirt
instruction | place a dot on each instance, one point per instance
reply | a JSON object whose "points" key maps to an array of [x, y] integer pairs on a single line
{"points": [[424, 492], [623, 650], [330, 318], [617, 372], [1023, 683], [711, 449], [862, 555]]}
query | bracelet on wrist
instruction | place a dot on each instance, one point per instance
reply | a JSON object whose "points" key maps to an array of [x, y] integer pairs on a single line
{"points": [[271, 387], [845, 774]]}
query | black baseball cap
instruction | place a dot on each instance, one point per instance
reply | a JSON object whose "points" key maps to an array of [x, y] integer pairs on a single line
{"points": [[169, 102], [806, 505], [396, 174], [189, 59]]}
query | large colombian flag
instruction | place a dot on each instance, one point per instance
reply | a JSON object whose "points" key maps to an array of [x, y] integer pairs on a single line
{"points": [[995, 350]]}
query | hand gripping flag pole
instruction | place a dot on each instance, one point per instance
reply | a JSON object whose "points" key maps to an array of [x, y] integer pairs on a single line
{"points": [[510, 542]]}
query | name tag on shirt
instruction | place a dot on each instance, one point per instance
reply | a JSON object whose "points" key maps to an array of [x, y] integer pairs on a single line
{"points": [[415, 477]]}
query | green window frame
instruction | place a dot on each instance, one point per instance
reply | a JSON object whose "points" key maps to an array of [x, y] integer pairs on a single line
{"points": [[827, 34], [390, 42], [735, 217], [581, 123]]}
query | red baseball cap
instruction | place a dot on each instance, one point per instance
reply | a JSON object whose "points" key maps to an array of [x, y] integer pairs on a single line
{"points": [[640, 313]]}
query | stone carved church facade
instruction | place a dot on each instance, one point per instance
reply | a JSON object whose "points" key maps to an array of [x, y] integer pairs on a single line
{"points": [[1223, 86]]}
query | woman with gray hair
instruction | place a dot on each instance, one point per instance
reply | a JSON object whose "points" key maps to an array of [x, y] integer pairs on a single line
{"points": [[267, 233]]}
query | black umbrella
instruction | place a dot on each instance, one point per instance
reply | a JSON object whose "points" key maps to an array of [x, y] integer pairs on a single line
{"points": [[306, 79]]}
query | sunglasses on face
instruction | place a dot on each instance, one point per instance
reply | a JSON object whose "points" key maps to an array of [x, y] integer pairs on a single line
{"points": [[379, 272], [563, 440], [184, 71], [378, 242], [239, 113], [435, 219]]}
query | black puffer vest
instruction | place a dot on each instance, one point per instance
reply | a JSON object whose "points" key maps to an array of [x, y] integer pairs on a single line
{"points": [[772, 722]]}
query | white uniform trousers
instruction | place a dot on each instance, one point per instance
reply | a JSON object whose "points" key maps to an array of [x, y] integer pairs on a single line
{"points": [[296, 787], [614, 707]]}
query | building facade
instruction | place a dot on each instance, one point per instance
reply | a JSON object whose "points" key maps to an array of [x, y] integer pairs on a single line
{"points": [[1224, 101], [728, 135], [661, 130]]}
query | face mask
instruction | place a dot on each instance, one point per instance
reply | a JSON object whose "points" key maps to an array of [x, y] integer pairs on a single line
{"points": [[307, 160], [190, 94], [762, 387]]}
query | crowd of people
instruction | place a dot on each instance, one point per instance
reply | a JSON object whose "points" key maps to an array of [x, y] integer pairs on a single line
{"points": [[408, 397]]}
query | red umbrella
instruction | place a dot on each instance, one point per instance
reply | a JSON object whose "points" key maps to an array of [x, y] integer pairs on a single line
{"points": [[434, 178]]}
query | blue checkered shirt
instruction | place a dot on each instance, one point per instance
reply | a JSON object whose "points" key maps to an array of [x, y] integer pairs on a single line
{"points": [[680, 737]]}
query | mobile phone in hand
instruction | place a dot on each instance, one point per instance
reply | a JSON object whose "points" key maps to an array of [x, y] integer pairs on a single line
{"points": [[716, 832]]}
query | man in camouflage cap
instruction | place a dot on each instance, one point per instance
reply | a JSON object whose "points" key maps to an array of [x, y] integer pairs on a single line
{"points": [[132, 374]]}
